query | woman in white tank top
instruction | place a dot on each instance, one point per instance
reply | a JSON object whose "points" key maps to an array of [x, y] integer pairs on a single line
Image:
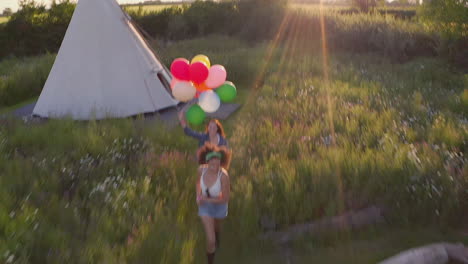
{"points": [[213, 189]]}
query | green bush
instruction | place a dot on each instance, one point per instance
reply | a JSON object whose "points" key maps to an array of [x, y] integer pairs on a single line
{"points": [[448, 19], [364, 5], [444, 11], [157, 23], [34, 29], [203, 18], [254, 19], [260, 19]]}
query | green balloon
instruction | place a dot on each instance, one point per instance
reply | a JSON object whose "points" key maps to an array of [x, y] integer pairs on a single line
{"points": [[227, 92], [195, 115]]}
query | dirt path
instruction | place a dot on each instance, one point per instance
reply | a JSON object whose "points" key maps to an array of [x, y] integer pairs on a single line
{"points": [[24, 110], [168, 116]]}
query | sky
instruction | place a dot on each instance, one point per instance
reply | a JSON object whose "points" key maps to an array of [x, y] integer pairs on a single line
{"points": [[13, 4]]}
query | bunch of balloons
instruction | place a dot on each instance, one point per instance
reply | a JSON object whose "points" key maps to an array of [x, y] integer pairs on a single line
{"points": [[198, 79]]}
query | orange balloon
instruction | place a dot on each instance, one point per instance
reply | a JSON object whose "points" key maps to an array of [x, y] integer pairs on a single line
{"points": [[202, 87]]}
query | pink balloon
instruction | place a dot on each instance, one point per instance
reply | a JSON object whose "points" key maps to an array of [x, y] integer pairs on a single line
{"points": [[180, 68], [216, 77], [198, 72]]}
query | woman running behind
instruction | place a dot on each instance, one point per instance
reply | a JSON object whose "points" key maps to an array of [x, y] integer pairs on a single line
{"points": [[214, 132]]}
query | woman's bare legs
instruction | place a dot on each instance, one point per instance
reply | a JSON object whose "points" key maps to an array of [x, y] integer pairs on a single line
{"points": [[209, 225], [217, 228]]}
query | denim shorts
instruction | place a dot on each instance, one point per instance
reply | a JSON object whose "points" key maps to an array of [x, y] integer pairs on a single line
{"points": [[214, 210]]}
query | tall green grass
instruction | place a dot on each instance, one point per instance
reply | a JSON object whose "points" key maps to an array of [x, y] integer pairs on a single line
{"points": [[122, 191], [148, 8], [390, 148], [402, 12], [23, 79]]}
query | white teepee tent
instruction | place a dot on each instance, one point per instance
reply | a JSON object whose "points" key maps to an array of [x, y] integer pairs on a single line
{"points": [[104, 69]]}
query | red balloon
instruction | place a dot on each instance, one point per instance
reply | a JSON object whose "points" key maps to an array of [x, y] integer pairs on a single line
{"points": [[180, 69], [198, 72]]}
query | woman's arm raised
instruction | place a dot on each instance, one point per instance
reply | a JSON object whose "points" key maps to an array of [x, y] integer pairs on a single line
{"points": [[187, 130]]}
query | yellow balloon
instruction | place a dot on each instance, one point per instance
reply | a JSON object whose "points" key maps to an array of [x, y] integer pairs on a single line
{"points": [[202, 58]]}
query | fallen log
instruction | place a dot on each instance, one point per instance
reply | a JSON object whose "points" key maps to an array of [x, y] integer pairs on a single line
{"points": [[349, 220], [440, 253]]}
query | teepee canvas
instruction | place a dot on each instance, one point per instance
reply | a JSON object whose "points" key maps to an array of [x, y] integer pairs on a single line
{"points": [[104, 69]]}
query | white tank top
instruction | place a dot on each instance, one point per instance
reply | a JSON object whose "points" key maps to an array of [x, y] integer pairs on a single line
{"points": [[214, 190]]}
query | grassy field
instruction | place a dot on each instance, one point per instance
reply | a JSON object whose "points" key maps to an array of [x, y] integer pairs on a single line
{"points": [[369, 124], [3, 19], [305, 147]]}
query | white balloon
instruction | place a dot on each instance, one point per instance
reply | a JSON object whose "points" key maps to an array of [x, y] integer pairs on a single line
{"points": [[184, 91], [209, 101]]}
